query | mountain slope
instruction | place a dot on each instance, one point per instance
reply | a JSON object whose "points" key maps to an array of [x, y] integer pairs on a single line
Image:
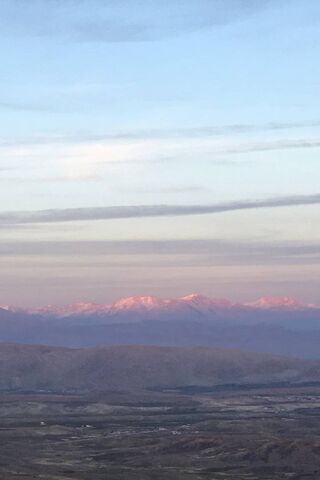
{"points": [[122, 368]]}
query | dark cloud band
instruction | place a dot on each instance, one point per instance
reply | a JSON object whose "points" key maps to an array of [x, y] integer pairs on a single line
{"points": [[145, 211], [158, 247]]}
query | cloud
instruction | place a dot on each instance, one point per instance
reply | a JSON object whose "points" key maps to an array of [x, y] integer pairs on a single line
{"points": [[82, 156], [171, 133], [203, 131], [145, 211], [85, 155], [121, 20], [172, 189], [274, 145], [163, 253]]}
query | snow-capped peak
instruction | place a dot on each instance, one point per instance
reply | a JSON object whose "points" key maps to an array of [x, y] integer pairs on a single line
{"points": [[5, 307], [74, 309], [138, 303], [277, 302], [196, 298], [201, 300]]}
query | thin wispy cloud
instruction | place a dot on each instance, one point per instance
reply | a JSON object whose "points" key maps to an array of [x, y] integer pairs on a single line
{"points": [[82, 156], [145, 211], [159, 253], [164, 134], [272, 145], [173, 189]]}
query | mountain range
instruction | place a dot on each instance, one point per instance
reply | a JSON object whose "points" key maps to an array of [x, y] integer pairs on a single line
{"points": [[279, 325], [195, 303]]}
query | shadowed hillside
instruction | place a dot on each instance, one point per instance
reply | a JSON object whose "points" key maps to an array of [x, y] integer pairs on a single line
{"points": [[135, 367]]}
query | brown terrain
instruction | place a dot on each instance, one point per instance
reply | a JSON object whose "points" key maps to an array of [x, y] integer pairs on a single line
{"points": [[157, 413]]}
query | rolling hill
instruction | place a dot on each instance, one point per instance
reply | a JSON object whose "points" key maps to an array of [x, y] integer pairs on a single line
{"points": [[25, 367]]}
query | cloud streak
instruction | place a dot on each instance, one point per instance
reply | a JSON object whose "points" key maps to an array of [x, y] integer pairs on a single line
{"points": [[270, 146], [175, 133], [160, 254], [159, 247], [145, 211]]}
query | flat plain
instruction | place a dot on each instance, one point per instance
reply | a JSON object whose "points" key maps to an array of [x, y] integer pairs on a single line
{"points": [[211, 434]]}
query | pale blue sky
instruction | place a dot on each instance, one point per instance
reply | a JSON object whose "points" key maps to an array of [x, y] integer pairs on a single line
{"points": [[145, 102]]}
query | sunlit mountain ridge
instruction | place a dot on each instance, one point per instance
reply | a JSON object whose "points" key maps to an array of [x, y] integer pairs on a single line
{"points": [[278, 325], [147, 303]]}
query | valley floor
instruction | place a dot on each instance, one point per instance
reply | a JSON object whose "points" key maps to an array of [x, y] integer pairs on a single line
{"points": [[265, 434]]}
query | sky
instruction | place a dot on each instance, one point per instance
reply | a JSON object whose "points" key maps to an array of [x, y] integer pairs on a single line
{"points": [[159, 148]]}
